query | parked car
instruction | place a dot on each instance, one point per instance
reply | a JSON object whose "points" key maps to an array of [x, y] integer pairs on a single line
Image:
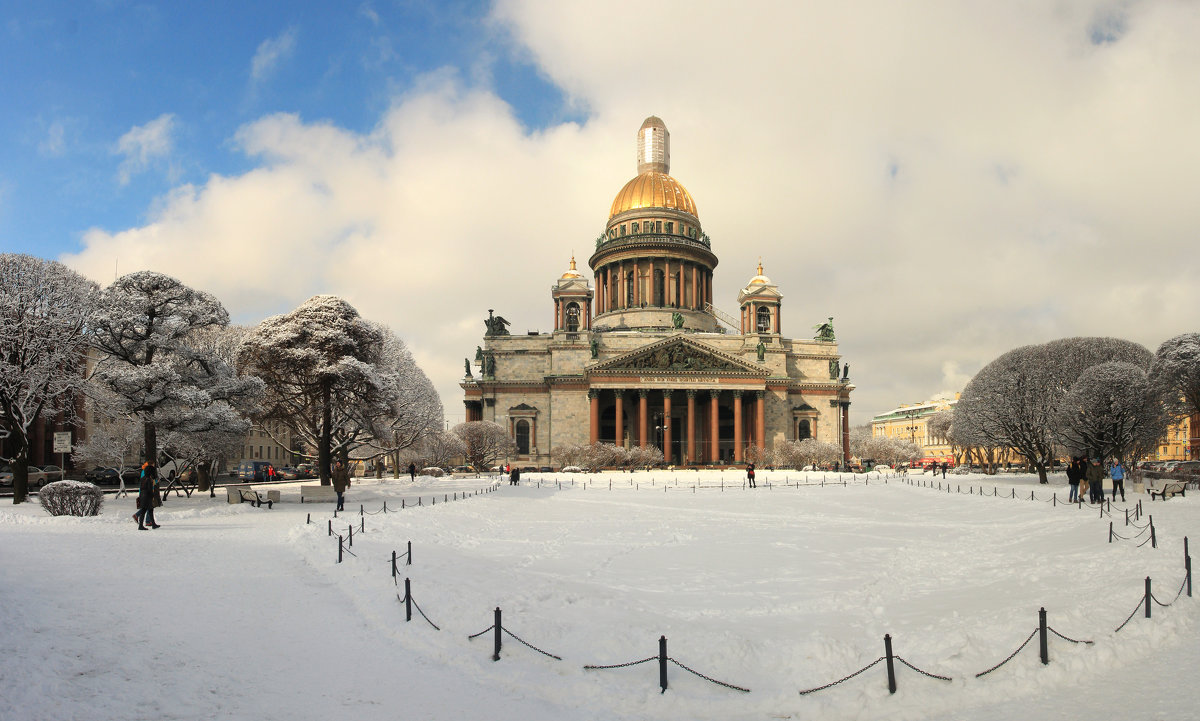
{"points": [[546, 469], [882, 468], [288, 473], [52, 473], [1188, 467], [464, 469], [36, 477]]}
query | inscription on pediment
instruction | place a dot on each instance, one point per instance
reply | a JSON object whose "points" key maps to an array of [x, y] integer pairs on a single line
{"points": [[678, 357]]}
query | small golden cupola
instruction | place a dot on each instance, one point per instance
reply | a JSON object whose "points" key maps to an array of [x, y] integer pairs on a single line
{"points": [[572, 302], [760, 302]]}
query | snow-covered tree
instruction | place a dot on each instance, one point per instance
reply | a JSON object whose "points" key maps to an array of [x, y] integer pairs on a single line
{"points": [[44, 311], [1112, 411], [149, 337], [1012, 401], [321, 366], [484, 443], [1176, 371], [113, 439], [437, 448]]}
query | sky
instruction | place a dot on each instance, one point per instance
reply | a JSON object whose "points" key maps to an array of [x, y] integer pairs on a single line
{"points": [[947, 180]]}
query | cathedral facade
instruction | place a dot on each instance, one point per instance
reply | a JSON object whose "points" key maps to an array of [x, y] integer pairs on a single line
{"points": [[640, 355]]}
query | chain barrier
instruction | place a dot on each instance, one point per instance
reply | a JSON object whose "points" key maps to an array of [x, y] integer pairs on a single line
{"points": [[708, 678], [923, 673], [843, 680], [529, 645], [1173, 600], [1136, 608], [418, 607], [1072, 640], [477, 635], [1011, 656], [615, 665]]}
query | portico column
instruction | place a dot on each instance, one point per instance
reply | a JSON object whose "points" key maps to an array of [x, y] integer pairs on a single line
{"points": [[714, 438], [666, 427], [760, 427], [737, 426], [643, 408], [691, 426], [594, 397], [845, 406], [695, 289], [620, 427]]}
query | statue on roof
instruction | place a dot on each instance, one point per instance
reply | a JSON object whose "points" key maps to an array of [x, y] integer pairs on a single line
{"points": [[825, 331], [495, 324], [467, 366]]}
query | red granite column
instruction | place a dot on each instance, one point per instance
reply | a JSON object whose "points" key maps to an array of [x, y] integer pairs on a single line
{"points": [[643, 408], [666, 427], [714, 437], [691, 427], [594, 435], [845, 406], [760, 431], [619, 435], [737, 426]]}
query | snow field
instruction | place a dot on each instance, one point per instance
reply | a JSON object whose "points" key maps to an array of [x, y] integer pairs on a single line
{"points": [[237, 612]]}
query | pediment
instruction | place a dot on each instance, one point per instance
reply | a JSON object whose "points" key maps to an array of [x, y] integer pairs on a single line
{"points": [[678, 354]]}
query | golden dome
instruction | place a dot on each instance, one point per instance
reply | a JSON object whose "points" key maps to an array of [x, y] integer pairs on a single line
{"points": [[571, 272], [653, 190], [759, 279]]}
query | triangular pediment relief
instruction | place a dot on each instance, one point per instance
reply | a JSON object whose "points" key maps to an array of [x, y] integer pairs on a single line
{"points": [[768, 292], [678, 355], [522, 407]]}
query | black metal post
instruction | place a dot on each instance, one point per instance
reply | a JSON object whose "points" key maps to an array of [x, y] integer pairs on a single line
{"points": [[331, 527], [1045, 647], [360, 509], [402, 504], [339, 549], [1153, 537], [393, 564], [1055, 499], [498, 628], [308, 519], [407, 600], [1148, 596], [662, 663], [351, 543], [1110, 532], [409, 563], [385, 506], [362, 524], [891, 667]]}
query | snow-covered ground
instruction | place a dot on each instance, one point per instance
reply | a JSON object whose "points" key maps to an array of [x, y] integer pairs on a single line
{"points": [[235, 612]]}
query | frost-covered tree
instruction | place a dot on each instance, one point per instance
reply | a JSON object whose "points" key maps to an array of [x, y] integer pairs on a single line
{"points": [[438, 448], [1176, 371], [44, 311], [148, 334], [321, 366], [484, 442], [1112, 411], [1012, 402]]}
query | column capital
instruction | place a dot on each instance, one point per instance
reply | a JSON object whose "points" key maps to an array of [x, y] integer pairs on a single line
{"points": [[643, 393], [691, 392], [714, 395], [593, 393], [760, 394], [737, 393]]}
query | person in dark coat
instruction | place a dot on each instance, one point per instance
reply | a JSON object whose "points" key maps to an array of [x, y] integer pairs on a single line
{"points": [[1095, 479], [412, 472], [1074, 475], [145, 512], [750, 475], [514, 477], [341, 481], [945, 465]]}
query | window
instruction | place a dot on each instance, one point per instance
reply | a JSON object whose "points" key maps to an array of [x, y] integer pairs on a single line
{"points": [[658, 226], [572, 317], [523, 437], [764, 320], [622, 230], [803, 430], [670, 227]]}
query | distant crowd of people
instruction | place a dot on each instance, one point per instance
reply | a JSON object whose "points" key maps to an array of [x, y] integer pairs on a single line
{"points": [[1090, 473]]}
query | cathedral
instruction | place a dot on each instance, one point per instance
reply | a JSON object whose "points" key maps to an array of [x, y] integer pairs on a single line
{"points": [[640, 354]]}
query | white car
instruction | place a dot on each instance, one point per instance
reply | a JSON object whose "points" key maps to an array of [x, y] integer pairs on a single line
{"points": [[37, 477], [883, 469]]}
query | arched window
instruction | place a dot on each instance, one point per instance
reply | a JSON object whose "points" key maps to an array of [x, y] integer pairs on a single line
{"points": [[629, 290], [803, 430], [660, 285], [572, 317], [523, 437], [764, 320]]}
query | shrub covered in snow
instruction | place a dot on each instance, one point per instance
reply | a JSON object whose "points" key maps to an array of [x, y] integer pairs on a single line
{"points": [[433, 471], [71, 498], [572, 469]]}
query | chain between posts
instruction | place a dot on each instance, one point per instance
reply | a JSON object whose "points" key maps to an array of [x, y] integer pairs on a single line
{"points": [[874, 663], [1011, 656], [708, 678]]}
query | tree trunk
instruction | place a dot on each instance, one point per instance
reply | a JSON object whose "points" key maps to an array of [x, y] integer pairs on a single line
{"points": [[150, 439], [1041, 471], [326, 440], [202, 480], [20, 471], [396, 464]]}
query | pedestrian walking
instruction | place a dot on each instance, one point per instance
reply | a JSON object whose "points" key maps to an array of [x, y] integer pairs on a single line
{"points": [[1074, 475], [1117, 473], [1095, 479], [146, 498], [750, 475], [412, 472], [341, 481], [514, 477], [944, 466]]}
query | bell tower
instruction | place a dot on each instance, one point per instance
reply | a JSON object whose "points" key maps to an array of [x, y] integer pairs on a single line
{"points": [[572, 302], [760, 302]]}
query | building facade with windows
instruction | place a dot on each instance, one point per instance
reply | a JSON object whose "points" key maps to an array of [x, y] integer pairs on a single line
{"points": [[640, 355], [911, 423]]}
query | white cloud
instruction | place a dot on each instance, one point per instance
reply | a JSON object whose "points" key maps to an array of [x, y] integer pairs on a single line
{"points": [[145, 144], [270, 53], [948, 181], [54, 144]]}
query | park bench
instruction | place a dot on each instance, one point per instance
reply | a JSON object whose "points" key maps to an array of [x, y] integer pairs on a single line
{"points": [[1169, 488], [244, 492], [315, 492]]}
